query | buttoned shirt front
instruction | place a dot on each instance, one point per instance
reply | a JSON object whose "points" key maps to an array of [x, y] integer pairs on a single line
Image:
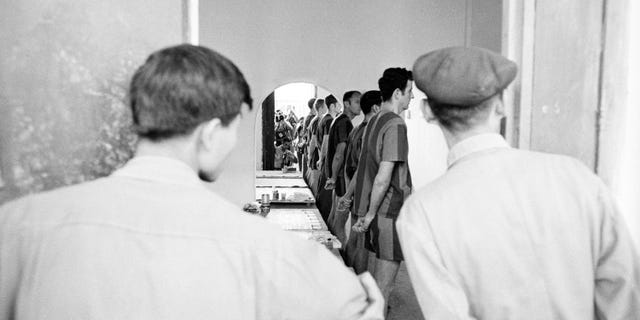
{"points": [[152, 242], [513, 234]]}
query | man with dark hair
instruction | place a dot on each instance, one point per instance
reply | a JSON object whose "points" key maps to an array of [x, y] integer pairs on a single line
{"points": [[382, 180], [314, 147], [324, 196], [355, 253], [509, 233], [152, 241], [334, 168], [304, 138]]}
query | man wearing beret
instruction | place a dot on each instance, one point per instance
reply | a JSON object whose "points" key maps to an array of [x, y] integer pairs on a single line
{"points": [[151, 241], [507, 233]]}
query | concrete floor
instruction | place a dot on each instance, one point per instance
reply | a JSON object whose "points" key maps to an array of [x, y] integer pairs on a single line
{"points": [[402, 301]]}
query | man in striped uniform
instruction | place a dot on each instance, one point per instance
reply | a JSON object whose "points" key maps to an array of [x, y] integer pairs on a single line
{"points": [[324, 196], [313, 152], [355, 253], [304, 141], [382, 179]]}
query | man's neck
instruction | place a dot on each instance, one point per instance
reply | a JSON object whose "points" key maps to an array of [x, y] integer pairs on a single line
{"points": [[348, 113], [173, 149], [368, 116], [454, 137], [390, 106]]}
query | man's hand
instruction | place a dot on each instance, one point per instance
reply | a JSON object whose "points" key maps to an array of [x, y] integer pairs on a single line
{"points": [[362, 225], [319, 163], [375, 299], [344, 202], [330, 185]]}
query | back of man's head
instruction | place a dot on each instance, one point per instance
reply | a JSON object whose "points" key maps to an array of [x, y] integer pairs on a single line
{"points": [[311, 102], [370, 99], [330, 100], [392, 79], [463, 84], [180, 87], [319, 105]]}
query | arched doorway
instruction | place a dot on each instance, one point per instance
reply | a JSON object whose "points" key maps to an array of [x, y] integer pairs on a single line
{"points": [[291, 102]]}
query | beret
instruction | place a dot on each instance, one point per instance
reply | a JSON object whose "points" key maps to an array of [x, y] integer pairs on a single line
{"points": [[463, 76]]}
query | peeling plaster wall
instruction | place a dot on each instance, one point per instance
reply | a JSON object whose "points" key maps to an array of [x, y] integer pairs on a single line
{"points": [[64, 72]]}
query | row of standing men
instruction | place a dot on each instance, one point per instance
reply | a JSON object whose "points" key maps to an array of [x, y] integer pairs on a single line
{"points": [[342, 162], [504, 233]]}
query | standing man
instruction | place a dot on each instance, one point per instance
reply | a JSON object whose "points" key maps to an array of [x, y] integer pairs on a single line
{"points": [[383, 180], [355, 253], [324, 196], [305, 138], [314, 148], [509, 233], [151, 241], [334, 168]]}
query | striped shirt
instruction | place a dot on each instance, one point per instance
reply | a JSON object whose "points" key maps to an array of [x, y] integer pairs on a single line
{"points": [[324, 125], [354, 145], [385, 139], [313, 145], [338, 133]]}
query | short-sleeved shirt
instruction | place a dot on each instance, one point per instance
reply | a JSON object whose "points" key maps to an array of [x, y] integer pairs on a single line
{"points": [[338, 133], [312, 129], [385, 139], [354, 145], [305, 128], [323, 129]]}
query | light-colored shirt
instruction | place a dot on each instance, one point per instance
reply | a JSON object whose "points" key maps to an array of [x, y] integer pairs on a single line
{"points": [[512, 234], [152, 242]]}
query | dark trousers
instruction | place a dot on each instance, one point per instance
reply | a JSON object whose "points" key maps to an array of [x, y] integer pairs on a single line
{"points": [[324, 199]]}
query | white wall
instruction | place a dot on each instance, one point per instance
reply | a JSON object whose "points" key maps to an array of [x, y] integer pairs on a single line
{"points": [[427, 147], [339, 45]]}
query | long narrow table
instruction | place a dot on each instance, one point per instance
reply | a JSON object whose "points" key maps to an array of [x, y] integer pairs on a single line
{"points": [[295, 211], [305, 222], [281, 182], [278, 174], [286, 195]]}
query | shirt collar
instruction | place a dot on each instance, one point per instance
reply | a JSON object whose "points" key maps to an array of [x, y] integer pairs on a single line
{"points": [[475, 144], [160, 169]]}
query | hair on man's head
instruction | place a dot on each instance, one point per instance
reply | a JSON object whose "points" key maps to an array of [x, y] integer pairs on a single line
{"points": [[349, 94], [319, 103], [330, 99], [311, 102], [461, 118], [180, 87], [392, 79], [370, 99]]}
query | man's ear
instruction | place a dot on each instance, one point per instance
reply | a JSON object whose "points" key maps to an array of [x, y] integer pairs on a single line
{"points": [[427, 112], [208, 132], [397, 93], [499, 108]]}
